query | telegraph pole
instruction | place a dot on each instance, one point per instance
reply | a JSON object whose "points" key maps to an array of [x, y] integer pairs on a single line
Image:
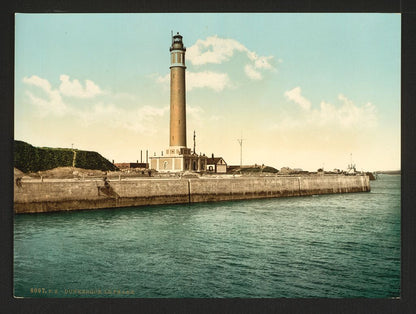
{"points": [[240, 141]]}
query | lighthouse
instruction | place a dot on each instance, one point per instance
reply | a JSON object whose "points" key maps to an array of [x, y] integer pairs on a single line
{"points": [[177, 93], [178, 157]]}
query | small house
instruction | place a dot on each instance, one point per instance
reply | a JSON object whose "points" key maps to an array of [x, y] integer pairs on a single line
{"points": [[216, 165]]}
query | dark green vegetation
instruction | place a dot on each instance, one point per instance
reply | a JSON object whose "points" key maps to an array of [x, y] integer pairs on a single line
{"points": [[93, 160], [254, 169], [28, 158]]}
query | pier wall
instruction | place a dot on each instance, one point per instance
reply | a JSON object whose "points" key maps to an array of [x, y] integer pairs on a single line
{"points": [[35, 196]]}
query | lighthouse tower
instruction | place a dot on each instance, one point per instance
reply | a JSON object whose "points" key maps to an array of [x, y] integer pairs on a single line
{"points": [[177, 93], [178, 157]]}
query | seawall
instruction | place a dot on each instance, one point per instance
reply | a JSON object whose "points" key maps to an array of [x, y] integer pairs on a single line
{"points": [[36, 196]]}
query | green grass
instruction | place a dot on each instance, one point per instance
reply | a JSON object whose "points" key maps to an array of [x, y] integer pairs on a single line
{"points": [[28, 158]]}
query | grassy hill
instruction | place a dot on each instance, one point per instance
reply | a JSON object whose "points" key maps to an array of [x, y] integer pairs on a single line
{"points": [[28, 158]]}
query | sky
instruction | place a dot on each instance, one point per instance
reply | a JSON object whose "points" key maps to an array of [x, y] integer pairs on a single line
{"points": [[305, 90]]}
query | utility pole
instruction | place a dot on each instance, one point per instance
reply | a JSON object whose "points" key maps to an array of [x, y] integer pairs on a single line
{"points": [[74, 158], [240, 141]]}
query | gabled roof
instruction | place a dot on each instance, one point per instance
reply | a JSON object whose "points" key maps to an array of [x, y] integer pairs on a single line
{"points": [[214, 160]]}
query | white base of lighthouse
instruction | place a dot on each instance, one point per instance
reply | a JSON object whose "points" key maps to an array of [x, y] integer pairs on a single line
{"points": [[178, 159]]}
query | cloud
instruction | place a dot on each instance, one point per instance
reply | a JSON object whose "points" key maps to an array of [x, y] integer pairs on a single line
{"points": [[75, 89], [165, 79], [252, 73], [196, 113], [205, 79], [52, 103], [259, 61], [139, 120], [213, 50], [148, 112], [98, 112], [122, 96], [295, 96], [217, 50], [344, 116], [348, 114], [39, 82], [214, 80]]}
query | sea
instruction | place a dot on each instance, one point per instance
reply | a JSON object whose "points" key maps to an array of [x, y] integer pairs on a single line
{"points": [[324, 246]]}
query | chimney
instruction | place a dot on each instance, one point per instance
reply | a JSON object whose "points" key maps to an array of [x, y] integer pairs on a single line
{"points": [[212, 155]]}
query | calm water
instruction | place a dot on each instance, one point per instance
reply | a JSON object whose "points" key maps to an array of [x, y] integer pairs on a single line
{"points": [[336, 246]]}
